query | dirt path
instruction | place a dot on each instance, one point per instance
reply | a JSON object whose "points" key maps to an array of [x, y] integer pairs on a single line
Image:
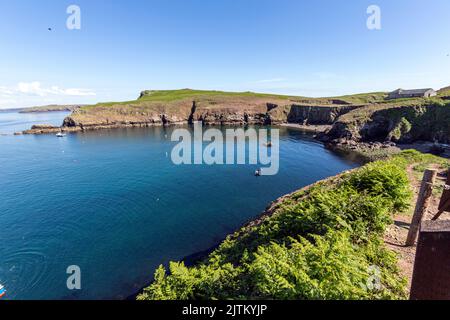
{"points": [[396, 234]]}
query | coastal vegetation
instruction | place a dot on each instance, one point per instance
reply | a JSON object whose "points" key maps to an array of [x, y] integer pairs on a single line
{"points": [[322, 242]]}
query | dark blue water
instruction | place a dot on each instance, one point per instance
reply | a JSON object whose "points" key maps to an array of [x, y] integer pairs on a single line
{"points": [[113, 203]]}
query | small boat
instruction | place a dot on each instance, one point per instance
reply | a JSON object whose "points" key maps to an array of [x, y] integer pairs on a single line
{"points": [[2, 291], [60, 134], [258, 173]]}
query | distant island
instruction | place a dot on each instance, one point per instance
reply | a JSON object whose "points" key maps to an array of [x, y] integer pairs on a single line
{"points": [[47, 108], [51, 108]]}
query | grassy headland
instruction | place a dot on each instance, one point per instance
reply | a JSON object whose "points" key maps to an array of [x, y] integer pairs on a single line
{"points": [[181, 105], [366, 117]]}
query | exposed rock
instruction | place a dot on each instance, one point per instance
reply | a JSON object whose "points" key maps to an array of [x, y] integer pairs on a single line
{"points": [[46, 128], [43, 127], [355, 127], [317, 114], [248, 112], [397, 124]]}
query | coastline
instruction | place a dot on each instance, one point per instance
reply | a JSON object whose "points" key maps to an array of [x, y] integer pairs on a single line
{"points": [[197, 257], [358, 150], [353, 147], [307, 128], [48, 129]]}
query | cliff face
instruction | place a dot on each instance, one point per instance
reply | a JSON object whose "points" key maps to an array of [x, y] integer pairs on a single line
{"points": [[210, 112], [396, 124], [317, 114], [357, 118]]}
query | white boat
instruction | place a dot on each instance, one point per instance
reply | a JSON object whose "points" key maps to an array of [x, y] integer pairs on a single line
{"points": [[60, 134]]}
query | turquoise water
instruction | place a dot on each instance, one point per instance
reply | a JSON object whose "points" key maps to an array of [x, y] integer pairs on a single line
{"points": [[113, 203]]}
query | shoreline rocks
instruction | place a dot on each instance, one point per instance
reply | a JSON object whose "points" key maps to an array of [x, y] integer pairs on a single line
{"points": [[365, 129], [306, 117]]}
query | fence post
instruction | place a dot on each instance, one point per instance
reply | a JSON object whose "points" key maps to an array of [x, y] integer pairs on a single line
{"points": [[431, 276], [426, 190]]}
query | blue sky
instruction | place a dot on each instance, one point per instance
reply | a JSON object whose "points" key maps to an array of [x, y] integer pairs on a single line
{"points": [[310, 48]]}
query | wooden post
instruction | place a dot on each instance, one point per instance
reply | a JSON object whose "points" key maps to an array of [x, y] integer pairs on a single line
{"points": [[444, 204], [440, 212], [426, 190]]}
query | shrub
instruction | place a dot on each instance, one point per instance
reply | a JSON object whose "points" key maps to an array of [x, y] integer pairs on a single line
{"points": [[385, 179], [321, 243], [328, 267]]}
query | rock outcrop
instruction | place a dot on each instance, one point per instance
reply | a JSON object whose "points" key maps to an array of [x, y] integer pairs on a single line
{"points": [[356, 122], [317, 114], [396, 124], [47, 128], [240, 112]]}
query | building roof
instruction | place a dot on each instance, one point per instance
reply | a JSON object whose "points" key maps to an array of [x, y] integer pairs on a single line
{"points": [[415, 91]]}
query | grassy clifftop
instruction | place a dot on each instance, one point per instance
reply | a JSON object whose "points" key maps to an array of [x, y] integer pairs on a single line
{"points": [[400, 122], [175, 100], [174, 106], [360, 117], [171, 96]]}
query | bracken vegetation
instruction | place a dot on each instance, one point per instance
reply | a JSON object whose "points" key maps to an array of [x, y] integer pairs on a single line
{"points": [[322, 242]]}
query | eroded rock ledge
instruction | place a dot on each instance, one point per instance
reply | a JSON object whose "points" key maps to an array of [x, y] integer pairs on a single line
{"points": [[367, 127], [257, 114]]}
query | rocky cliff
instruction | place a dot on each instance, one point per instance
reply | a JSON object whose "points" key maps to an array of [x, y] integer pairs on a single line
{"points": [[356, 118], [399, 124], [211, 110], [316, 114], [237, 114]]}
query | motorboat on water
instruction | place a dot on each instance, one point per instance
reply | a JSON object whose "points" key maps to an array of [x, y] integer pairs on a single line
{"points": [[60, 134], [2, 291], [258, 173]]}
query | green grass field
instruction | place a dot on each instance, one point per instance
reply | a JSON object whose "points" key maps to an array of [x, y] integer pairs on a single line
{"points": [[168, 96]]}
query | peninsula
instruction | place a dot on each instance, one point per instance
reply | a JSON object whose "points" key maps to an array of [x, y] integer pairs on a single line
{"points": [[360, 122]]}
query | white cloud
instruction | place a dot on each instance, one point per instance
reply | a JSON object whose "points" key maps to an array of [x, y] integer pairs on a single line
{"points": [[4, 103], [35, 88], [325, 75], [27, 94], [271, 80], [5, 92]]}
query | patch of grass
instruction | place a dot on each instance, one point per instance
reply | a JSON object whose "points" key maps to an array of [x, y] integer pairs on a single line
{"points": [[168, 96], [444, 92], [364, 98]]}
